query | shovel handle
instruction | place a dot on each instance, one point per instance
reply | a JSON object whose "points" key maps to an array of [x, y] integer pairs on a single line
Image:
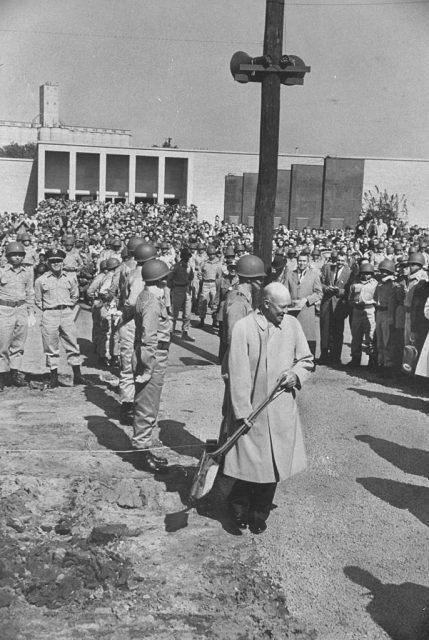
{"points": [[230, 442]]}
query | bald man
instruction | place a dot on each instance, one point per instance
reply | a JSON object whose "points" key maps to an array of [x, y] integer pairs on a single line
{"points": [[266, 346]]}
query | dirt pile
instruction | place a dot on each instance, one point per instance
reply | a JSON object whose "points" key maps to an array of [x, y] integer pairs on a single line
{"points": [[99, 553]]}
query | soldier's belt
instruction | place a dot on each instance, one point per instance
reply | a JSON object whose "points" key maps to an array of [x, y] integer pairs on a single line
{"points": [[204, 281], [12, 303], [163, 345], [59, 307]]}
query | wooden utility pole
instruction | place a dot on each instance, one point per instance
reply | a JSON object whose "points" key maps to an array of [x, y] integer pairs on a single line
{"points": [[269, 135], [271, 69]]}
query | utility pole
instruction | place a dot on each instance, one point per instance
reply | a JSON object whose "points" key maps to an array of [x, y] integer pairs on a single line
{"points": [[269, 135], [271, 69]]}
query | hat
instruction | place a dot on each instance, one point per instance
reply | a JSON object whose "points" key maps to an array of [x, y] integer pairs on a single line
{"points": [[55, 255]]}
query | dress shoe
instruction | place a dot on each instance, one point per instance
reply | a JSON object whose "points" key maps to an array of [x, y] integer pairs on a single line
{"points": [[53, 379], [241, 522], [150, 463], [201, 324], [18, 378], [257, 526]]}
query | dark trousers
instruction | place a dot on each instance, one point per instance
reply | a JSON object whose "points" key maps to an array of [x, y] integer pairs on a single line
{"points": [[252, 500]]}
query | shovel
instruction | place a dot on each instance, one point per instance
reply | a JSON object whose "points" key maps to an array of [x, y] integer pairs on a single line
{"points": [[208, 466]]}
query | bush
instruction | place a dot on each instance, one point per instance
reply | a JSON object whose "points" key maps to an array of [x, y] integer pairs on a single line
{"points": [[387, 207]]}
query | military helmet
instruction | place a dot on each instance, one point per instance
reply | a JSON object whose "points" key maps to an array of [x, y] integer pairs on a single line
{"points": [[250, 267], [15, 247], [112, 263], [23, 237], [240, 247], [154, 270], [211, 250], [103, 265], [366, 267], [416, 258], [229, 252], [134, 242], [165, 244], [144, 251], [116, 242], [387, 265], [201, 245]]}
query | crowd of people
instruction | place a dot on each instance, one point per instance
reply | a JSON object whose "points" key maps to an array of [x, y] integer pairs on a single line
{"points": [[144, 269]]}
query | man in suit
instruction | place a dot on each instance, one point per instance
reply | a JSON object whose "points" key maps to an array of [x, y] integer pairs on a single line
{"points": [[333, 307], [305, 289]]}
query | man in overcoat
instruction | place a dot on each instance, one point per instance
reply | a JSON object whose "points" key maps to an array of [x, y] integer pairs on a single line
{"points": [[267, 346], [333, 308], [306, 291]]}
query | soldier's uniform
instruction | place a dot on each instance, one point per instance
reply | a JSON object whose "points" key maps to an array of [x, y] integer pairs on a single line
{"points": [[386, 298], [150, 363], [361, 299], [108, 344], [93, 296], [211, 271], [16, 300], [73, 262], [224, 286], [56, 296], [180, 281]]}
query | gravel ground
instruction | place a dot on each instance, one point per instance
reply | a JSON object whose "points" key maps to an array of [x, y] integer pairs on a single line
{"points": [[97, 548]]}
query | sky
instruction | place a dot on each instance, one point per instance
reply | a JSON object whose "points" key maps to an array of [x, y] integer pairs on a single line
{"points": [[161, 69]]}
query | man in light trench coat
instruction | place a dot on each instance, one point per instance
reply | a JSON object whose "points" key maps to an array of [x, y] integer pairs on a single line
{"points": [[266, 346]]}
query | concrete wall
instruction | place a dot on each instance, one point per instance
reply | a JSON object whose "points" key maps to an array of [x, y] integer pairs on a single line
{"points": [[20, 133], [409, 177], [18, 185]]}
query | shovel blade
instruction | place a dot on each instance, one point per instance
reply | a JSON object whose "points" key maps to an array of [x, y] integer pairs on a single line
{"points": [[204, 478]]}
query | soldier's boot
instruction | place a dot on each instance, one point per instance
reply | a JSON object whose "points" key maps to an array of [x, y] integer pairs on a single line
{"points": [[201, 325], [53, 379], [126, 413], [187, 337], [18, 378], [2, 380], [77, 376]]}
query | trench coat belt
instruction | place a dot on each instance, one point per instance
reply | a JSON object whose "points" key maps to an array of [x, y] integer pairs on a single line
{"points": [[59, 307], [163, 345], [12, 303]]}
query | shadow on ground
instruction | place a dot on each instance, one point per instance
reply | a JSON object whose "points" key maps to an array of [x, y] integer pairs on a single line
{"points": [[413, 461], [410, 497], [402, 610], [394, 399]]}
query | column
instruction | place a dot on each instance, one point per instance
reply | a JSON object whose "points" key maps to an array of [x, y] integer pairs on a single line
{"points": [[41, 174], [102, 178], [190, 182], [132, 178], [161, 179], [72, 175]]}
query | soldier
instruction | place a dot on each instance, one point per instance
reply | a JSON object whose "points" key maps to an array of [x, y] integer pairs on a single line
{"points": [[239, 301], [96, 304], [133, 286], [30, 258], [224, 286], [362, 303], [109, 317], [386, 299], [211, 271], [416, 264], [150, 359], [57, 294], [16, 312], [73, 262], [180, 281]]}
